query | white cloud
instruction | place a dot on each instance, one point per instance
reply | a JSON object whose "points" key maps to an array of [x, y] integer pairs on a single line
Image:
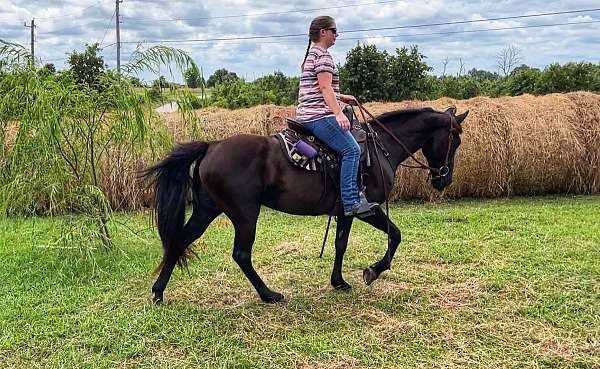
{"points": [[68, 25]]}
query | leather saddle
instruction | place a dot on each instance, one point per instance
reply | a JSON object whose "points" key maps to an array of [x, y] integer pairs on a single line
{"points": [[326, 159]]}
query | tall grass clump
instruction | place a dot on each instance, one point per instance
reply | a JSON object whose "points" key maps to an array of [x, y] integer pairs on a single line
{"points": [[71, 148]]}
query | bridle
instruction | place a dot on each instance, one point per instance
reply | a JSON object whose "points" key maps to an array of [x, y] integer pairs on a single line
{"points": [[440, 172]]}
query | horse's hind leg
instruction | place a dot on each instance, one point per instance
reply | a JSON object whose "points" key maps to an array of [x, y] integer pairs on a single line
{"points": [[245, 232], [200, 219], [380, 221]]}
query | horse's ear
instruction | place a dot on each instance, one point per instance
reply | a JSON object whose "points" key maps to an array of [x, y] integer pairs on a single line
{"points": [[451, 110], [460, 118]]}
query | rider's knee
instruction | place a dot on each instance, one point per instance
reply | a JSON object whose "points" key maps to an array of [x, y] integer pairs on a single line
{"points": [[353, 150]]}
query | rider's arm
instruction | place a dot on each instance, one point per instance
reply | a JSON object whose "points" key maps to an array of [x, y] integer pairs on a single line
{"points": [[325, 79]]}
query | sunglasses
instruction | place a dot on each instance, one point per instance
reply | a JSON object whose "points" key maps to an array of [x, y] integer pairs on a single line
{"points": [[332, 29]]}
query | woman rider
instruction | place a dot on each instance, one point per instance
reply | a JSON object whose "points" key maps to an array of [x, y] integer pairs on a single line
{"points": [[320, 112]]}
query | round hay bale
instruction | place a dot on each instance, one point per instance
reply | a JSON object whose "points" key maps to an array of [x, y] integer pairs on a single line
{"points": [[586, 127], [544, 153], [219, 123], [523, 145]]}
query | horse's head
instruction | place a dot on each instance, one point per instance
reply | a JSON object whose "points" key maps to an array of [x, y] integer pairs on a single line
{"points": [[440, 148]]}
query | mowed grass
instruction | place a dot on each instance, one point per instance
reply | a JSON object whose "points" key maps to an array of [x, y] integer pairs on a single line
{"points": [[478, 284]]}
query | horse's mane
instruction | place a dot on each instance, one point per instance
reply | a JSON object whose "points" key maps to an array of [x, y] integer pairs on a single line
{"points": [[404, 114]]}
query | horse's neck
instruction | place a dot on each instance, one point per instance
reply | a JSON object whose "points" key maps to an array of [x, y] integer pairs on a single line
{"points": [[413, 142]]}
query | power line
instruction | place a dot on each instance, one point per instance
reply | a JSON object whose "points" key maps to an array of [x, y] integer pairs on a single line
{"points": [[215, 39], [408, 35], [67, 58], [382, 28], [477, 20], [109, 45], [259, 14], [448, 33], [107, 26], [476, 30], [358, 38], [280, 37], [356, 30]]}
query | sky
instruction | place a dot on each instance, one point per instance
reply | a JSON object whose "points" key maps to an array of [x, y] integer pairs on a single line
{"points": [[66, 26]]}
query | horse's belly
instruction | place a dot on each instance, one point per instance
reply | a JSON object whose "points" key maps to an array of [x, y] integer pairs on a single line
{"points": [[300, 193]]}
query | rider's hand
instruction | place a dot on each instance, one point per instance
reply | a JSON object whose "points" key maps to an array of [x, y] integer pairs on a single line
{"points": [[343, 121], [349, 99]]}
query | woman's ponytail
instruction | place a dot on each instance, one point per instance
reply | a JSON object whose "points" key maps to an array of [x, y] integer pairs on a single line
{"points": [[305, 55]]}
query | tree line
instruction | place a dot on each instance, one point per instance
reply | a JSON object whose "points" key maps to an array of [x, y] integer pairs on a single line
{"points": [[376, 75], [368, 73]]}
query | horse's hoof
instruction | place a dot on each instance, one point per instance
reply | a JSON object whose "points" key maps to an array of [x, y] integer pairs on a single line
{"points": [[272, 297], [369, 276], [343, 287], [158, 300]]}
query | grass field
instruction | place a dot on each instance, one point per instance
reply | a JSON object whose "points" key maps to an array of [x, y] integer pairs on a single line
{"points": [[477, 284]]}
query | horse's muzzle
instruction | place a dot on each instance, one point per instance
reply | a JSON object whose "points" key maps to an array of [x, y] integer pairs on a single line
{"points": [[442, 178]]}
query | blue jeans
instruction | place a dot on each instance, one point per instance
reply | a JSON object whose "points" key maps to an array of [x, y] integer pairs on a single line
{"points": [[329, 131]]}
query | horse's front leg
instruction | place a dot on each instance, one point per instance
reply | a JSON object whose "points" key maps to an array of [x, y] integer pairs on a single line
{"points": [[380, 221], [341, 243]]}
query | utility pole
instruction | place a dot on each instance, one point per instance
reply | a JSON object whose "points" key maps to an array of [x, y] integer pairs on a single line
{"points": [[32, 26], [118, 21]]}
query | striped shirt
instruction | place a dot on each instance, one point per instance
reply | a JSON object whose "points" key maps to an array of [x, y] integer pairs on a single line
{"points": [[311, 104]]}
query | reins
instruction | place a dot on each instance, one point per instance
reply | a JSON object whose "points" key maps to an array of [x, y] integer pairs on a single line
{"points": [[441, 172]]}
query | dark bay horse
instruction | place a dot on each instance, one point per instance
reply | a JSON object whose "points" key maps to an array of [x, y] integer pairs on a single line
{"points": [[238, 175]]}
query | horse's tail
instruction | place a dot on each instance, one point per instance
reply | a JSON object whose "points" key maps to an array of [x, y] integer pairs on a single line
{"points": [[172, 181]]}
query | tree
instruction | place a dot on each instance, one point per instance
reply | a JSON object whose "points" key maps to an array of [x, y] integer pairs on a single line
{"points": [[193, 77], [523, 80], [87, 66], [508, 58], [406, 74], [161, 82], [462, 67], [482, 74], [570, 77], [221, 76], [445, 64], [68, 138], [364, 73], [135, 81], [49, 68], [520, 68], [284, 89], [443, 86]]}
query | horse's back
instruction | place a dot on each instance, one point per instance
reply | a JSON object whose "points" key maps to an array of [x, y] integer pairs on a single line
{"points": [[238, 153], [234, 161]]}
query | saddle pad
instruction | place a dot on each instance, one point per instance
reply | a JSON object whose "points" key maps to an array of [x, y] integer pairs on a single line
{"points": [[288, 139]]}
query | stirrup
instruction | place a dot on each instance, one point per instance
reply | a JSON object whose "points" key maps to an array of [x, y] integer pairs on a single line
{"points": [[363, 208]]}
